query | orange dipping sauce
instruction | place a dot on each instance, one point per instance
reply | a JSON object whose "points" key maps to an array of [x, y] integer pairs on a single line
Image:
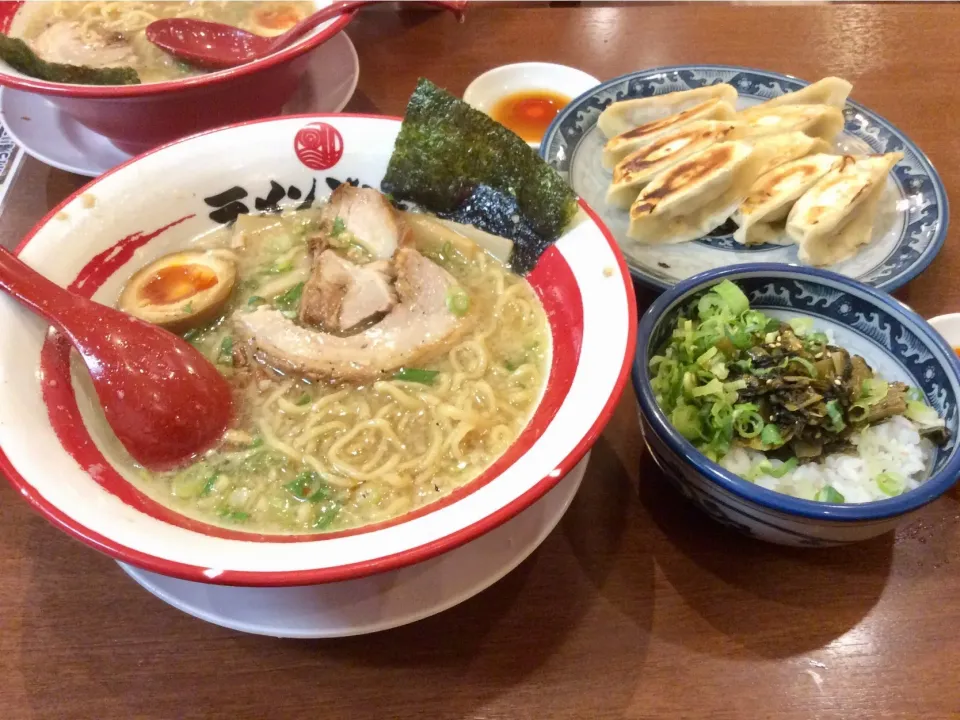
{"points": [[177, 282], [529, 112]]}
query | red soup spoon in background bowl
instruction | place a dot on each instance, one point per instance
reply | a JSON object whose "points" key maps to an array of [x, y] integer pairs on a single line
{"points": [[136, 118]]}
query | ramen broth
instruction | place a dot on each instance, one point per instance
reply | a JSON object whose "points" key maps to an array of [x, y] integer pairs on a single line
{"points": [[109, 33], [313, 455]]}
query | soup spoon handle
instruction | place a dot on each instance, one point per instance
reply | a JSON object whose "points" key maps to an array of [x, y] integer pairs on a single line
{"points": [[163, 399], [332, 11], [42, 295], [307, 24]]}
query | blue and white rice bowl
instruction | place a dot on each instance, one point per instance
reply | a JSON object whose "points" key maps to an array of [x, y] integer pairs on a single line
{"points": [[896, 342]]}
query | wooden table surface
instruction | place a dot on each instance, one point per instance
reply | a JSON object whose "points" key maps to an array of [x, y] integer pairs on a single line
{"points": [[636, 606]]}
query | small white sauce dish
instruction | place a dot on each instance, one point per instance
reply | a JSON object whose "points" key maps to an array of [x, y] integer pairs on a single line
{"points": [[948, 326], [494, 85]]}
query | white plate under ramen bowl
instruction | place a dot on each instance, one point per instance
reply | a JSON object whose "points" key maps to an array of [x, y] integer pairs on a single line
{"points": [[911, 224], [61, 461]]}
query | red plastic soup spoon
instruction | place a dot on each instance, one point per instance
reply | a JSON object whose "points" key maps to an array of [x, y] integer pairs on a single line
{"points": [[163, 399], [215, 46]]}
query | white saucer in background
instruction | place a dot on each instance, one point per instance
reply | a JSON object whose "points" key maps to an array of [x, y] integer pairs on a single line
{"points": [[375, 603], [948, 326], [486, 90], [53, 138]]}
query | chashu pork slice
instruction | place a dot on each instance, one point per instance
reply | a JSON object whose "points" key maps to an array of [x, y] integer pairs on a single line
{"points": [[340, 294], [368, 217], [70, 43], [420, 326]]}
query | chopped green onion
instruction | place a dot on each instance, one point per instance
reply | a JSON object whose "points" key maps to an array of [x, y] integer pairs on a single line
{"points": [[257, 442], [417, 375], [225, 355], [765, 467], [923, 414], [733, 296], [872, 391], [304, 399], [770, 436], [301, 484], [747, 420], [339, 227], [687, 421], [323, 493], [707, 356], [458, 302], [326, 514], [890, 483], [836, 416], [714, 387], [829, 495], [290, 300], [234, 515], [709, 305], [209, 485], [800, 326], [255, 300], [787, 466], [807, 365], [188, 308]]}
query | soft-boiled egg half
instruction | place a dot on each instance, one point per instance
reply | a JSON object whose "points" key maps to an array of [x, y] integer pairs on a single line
{"points": [[180, 291], [274, 18]]}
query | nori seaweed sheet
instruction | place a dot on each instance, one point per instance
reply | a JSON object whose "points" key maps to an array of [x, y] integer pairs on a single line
{"points": [[446, 150], [19, 56], [498, 213]]}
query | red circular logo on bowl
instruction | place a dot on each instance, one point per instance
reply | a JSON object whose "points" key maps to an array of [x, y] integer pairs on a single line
{"points": [[319, 146]]}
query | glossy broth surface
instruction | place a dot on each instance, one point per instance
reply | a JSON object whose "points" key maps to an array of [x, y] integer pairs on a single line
{"points": [[309, 456]]}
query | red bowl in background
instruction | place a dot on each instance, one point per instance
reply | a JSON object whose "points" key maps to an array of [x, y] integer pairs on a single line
{"points": [[136, 118]]}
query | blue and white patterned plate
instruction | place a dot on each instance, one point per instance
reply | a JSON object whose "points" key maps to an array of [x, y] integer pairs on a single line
{"points": [[908, 234]]}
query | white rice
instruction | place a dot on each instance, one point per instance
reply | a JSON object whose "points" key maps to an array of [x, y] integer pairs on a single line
{"points": [[893, 446]]}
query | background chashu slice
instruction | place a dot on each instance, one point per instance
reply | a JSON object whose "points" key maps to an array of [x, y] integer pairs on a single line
{"points": [[835, 217], [628, 114], [763, 213], [619, 147], [637, 169], [695, 196]]}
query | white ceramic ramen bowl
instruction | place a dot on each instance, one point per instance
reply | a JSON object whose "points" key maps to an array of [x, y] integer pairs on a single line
{"points": [[60, 458]]}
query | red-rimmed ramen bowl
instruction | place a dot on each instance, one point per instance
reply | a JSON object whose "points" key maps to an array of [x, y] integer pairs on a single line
{"points": [[139, 117], [66, 464]]}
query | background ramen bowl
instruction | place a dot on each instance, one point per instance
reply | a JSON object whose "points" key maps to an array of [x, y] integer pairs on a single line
{"points": [[895, 341], [152, 205], [138, 117]]}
